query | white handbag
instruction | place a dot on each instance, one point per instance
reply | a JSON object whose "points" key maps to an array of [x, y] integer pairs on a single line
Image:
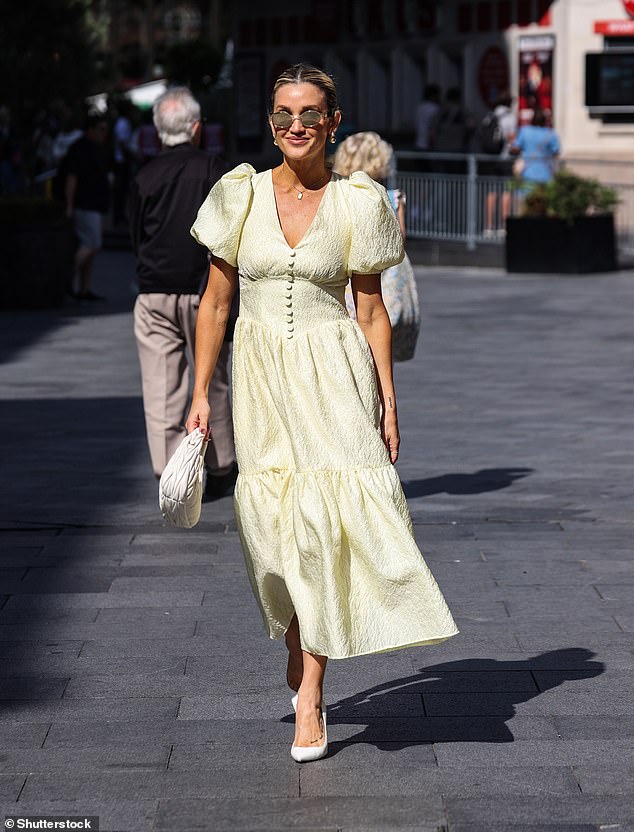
{"points": [[182, 481]]}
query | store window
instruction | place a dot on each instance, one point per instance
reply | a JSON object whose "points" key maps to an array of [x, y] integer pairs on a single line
{"points": [[610, 82]]}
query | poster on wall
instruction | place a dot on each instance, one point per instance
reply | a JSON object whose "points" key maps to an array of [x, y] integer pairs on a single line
{"points": [[535, 77]]}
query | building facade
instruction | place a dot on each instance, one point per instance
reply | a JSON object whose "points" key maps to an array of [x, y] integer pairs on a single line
{"points": [[383, 52]]}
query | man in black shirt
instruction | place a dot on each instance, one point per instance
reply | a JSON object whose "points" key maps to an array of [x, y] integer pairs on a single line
{"points": [[86, 191], [171, 269]]}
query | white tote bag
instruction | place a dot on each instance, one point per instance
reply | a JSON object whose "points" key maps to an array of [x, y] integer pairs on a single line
{"points": [[181, 484]]}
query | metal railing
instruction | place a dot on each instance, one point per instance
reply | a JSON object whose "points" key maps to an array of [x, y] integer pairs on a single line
{"points": [[465, 197]]}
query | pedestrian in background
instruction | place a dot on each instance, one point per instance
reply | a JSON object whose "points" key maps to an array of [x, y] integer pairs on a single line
{"points": [[425, 113], [87, 196], [504, 121], [145, 143], [538, 147], [369, 153], [121, 135], [452, 127], [171, 269]]}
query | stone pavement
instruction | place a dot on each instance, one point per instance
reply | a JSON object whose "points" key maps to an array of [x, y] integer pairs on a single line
{"points": [[137, 683]]}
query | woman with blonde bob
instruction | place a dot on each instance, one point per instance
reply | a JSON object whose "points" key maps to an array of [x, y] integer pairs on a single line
{"points": [[323, 522], [369, 153]]}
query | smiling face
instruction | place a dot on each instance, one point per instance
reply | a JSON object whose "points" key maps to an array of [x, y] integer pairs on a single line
{"points": [[299, 143]]}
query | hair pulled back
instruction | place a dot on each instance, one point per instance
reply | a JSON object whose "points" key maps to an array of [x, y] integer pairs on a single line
{"points": [[309, 74]]}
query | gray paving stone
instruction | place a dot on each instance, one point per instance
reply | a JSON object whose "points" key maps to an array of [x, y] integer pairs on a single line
{"points": [[264, 814], [552, 702], [391, 770], [608, 681], [64, 665], [74, 710], [248, 705], [32, 688], [64, 631], [14, 735], [114, 816], [608, 778], [105, 600], [136, 615], [106, 758], [475, 729], [18, 649], [534, 752], [146, 785], [512, 826], [17, 616], [530, 539], [188, 583], [10, 784], [595, 727], [541, 809]]}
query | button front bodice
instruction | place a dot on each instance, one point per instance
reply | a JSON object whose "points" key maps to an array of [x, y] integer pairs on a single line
{"points": [[290, 306]]}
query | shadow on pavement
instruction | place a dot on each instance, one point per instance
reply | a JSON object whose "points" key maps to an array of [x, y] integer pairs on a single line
{"points": [[486, 479], [455, 710]]}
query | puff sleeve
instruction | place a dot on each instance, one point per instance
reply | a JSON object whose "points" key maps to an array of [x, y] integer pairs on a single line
{"points": [[218, 225], [376, 242]]}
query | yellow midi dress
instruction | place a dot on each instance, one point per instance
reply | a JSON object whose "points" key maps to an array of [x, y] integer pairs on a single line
{"points": [[321, 513]]}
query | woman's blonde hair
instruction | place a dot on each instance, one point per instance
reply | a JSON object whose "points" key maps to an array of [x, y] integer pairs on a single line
{"points": [[367, 152], [309, 74]]}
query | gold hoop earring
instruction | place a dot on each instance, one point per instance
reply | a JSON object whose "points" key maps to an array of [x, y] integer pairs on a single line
{"points": [[275, 142], [333, 138]]}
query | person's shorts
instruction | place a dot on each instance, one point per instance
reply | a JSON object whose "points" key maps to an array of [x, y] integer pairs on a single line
{"points": [[88, 228]]}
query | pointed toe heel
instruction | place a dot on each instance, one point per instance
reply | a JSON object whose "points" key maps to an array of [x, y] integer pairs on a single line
{"points": [[308, 754]]}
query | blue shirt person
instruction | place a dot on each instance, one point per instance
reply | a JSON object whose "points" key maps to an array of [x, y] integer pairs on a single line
{"points": [[538, 146]]}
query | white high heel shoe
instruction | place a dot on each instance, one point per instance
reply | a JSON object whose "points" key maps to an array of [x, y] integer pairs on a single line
{"points": [[307, 754]]}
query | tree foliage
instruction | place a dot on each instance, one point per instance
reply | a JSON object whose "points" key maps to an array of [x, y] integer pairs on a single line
{"points": [[46, 55], [193, 63]]}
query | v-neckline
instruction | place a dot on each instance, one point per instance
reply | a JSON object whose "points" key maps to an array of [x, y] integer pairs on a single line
{"points": [[312, 222]]}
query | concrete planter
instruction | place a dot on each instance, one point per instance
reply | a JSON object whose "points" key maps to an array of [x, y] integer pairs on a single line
{"points": [[548, 244]]}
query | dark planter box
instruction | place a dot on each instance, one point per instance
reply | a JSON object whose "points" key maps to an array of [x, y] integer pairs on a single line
{"points": [[546, 244], [37, 264]]}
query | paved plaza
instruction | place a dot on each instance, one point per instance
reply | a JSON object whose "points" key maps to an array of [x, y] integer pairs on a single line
{"points": [[137, 681]]}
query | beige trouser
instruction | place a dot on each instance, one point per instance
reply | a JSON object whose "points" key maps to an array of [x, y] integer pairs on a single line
{"points": [[164, 326]]}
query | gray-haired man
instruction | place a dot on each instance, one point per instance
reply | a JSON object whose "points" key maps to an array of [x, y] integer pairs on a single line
{"points": [[171, 269]]}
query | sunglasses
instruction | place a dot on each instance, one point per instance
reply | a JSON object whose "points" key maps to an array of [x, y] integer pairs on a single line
{"points": [[309, 118]]}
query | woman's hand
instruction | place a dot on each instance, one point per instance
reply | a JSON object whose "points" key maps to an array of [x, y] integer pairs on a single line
{"points": [[389, 433], [198, 418]]}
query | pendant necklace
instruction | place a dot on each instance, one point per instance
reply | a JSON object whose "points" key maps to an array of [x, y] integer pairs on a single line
{"points": [[300, 194]]}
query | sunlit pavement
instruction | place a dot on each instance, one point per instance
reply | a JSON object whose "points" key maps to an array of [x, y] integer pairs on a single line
{"points": [[137, 682]]}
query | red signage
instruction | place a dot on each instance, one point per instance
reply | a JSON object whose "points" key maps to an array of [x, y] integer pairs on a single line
{"points": [[629, 7], [615, 28], [493, 75]]}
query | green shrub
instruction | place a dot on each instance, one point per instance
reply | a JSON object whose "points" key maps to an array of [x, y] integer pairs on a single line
{"points": [[568, 196]]}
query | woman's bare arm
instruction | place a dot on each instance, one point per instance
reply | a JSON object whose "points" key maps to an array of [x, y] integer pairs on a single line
{"points": [[373, 319], [211, 325]]}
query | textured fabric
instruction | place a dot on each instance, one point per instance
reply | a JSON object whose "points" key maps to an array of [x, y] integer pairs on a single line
{"points": [[165, 328], [181, 483], [323, 521], [400, 296]]}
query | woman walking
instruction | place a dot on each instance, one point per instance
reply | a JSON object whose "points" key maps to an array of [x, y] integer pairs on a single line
{"points": [[322, 518]]}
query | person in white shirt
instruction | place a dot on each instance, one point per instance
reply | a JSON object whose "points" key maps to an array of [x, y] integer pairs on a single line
{"points": [[507, 122], [425, 113]]}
